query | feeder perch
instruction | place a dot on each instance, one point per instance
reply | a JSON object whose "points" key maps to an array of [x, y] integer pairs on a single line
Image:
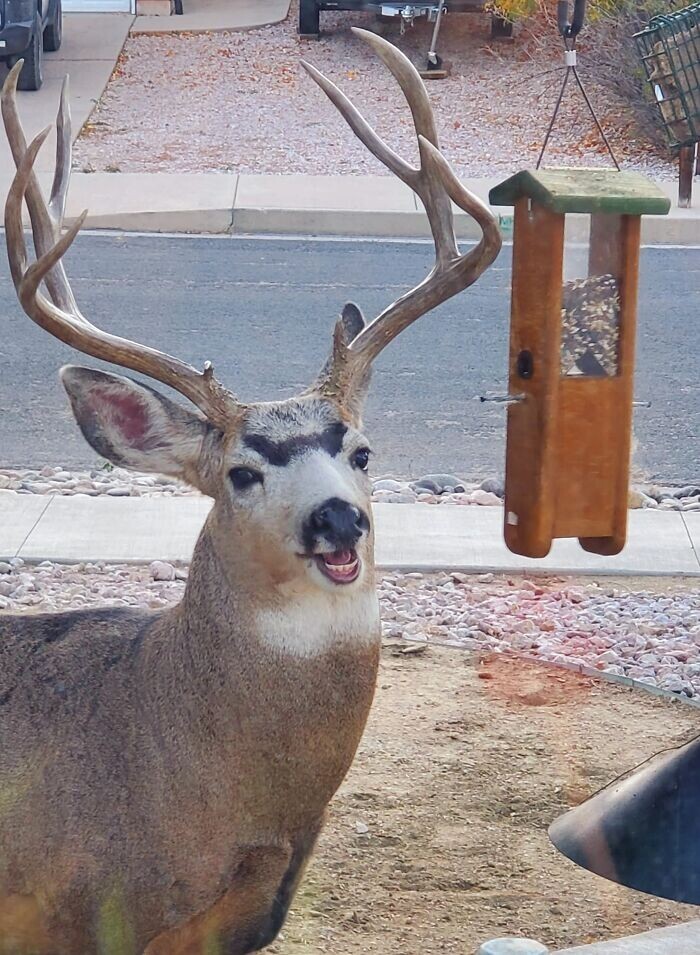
{"points": [[572, 356]]}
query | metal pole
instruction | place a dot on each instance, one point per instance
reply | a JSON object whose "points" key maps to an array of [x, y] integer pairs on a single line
{"points": [[686, 171], [432, 53]]}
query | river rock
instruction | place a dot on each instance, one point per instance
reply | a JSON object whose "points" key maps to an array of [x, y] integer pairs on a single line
{"points": [[493, 486], [162, 570]]}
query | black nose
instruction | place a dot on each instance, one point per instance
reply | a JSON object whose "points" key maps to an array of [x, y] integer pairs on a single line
{"points": [[336, 521]]}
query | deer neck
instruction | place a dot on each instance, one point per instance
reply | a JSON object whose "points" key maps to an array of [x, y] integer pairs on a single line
{"points": [[231, 609]]}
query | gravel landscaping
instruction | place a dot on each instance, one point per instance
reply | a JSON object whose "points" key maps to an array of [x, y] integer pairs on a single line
{"points": [[240, 102], [649, 633], [429, 489]]}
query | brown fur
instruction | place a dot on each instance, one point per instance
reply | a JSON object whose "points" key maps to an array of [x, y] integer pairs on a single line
{"points": [[160, 771]]}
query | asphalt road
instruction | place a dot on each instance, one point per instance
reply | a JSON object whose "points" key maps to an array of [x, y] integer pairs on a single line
{"points": [[262, 310]]}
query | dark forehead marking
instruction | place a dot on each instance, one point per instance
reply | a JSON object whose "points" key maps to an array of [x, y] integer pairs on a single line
{"points": [[282, 452]]}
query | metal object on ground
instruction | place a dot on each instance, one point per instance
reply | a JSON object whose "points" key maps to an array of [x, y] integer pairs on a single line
{"points": [[406, 10], [642, 831], [572, 356], [670, 51], [434, 69]]}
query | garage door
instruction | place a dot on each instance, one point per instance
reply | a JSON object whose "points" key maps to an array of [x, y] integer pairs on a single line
{"points": [[99, 6]]}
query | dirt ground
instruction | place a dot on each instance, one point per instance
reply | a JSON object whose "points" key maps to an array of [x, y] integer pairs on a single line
{"points": [[437, 840]]}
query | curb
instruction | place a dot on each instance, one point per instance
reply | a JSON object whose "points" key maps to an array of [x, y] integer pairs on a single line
{"points": [[351, 206], [339, 223]]}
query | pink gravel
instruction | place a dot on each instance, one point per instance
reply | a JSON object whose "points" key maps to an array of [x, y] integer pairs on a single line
{"points": [[240, 102]]}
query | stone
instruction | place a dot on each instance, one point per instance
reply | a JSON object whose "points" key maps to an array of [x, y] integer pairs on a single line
{"points": [[672, 683], [690, 490], [637, 499], [162, 570], [119, 491], [403, 497], [37, 487], [485, 498], [493, 486], [388, 484], [441, 481], [425, 484], [5, 481], [5, 568]]}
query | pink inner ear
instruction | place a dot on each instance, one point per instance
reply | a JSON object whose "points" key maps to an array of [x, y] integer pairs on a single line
{"points": [[125, 412]]}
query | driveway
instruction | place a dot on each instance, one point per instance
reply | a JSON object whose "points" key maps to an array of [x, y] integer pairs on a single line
{"points": [[91, 45]]}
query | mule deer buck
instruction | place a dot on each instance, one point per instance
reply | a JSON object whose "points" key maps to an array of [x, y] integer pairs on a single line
{"points": [[164, 774]]}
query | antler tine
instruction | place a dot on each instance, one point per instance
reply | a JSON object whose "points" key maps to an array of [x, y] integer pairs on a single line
{"points": [[362, 129], [44, 228], [64, 157], [437, 187], [67, 323]]}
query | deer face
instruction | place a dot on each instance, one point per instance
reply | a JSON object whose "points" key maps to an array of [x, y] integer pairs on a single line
{"points": [[296, 485], [289, 479]]}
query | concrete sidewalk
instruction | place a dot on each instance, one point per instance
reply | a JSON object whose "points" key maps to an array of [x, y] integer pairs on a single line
{"points": [[215, 16], [683, 939], [306, 205], [409, 536]]}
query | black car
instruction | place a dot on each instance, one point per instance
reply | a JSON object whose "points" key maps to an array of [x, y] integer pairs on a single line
{"points": [[27, 28]]}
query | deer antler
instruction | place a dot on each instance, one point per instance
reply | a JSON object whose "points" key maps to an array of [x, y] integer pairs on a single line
{"points": [[435, 184], [59, 314]]}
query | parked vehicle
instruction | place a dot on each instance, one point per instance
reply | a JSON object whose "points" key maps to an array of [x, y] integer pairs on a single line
{"points": [[310, 12], [27, 29]]}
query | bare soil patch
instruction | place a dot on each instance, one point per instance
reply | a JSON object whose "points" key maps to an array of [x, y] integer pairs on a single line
{"points": [[437, 840], [240, 102]]}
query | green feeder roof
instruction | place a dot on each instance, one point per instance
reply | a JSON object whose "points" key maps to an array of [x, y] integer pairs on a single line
{"points": [[584, 190]]}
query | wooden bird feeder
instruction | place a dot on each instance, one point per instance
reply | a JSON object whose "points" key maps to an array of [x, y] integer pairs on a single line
{"points": [[572, 356]]}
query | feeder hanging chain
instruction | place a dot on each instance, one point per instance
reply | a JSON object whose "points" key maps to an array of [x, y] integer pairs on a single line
{"points": [[569, 30]]}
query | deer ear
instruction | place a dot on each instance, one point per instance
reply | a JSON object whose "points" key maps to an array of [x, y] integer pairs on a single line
{"points": [[134, 426], [353, 321]]}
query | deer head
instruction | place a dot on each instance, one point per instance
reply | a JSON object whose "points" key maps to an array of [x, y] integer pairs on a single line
{"points": [[289, 479]]}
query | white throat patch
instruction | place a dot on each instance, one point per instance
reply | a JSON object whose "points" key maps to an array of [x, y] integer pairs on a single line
{"points": [[312, 623]]}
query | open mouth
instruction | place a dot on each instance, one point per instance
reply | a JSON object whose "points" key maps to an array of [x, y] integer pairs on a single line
{"points": [[342, 566]]}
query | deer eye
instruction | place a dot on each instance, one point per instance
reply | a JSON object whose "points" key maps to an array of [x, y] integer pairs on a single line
{"points": [[243, 478], [360, 458]]}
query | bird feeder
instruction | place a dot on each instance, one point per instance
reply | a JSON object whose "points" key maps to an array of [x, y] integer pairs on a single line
{"points": [[572, 333]]}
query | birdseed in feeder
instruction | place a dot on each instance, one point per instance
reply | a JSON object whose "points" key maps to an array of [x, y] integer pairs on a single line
{"points": [[590, 319]]}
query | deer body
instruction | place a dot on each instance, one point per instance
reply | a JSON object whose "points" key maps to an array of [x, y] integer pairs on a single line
{"points": [[151, 753], [164, 775]]}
